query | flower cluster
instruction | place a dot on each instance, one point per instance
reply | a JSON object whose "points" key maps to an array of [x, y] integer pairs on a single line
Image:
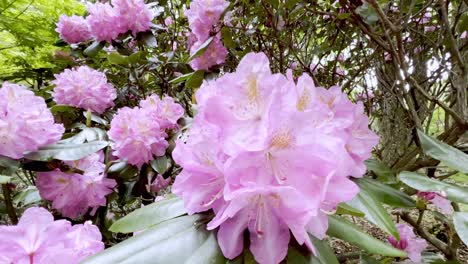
{"points": [[409, 242], [25, 122], [73, 29], [139, 133], [84, 87], [271, 156], [39, 239], [106, 22], [74, 193], [202, 16]]}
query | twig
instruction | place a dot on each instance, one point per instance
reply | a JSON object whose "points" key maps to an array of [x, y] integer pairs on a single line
{"points": [[9, 204]]}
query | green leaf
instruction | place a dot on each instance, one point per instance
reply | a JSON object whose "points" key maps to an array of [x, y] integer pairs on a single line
{"points": [[345, 230], [295, 257], [94, 49], [325, 253], [195, 80], [226, 37], [149, 215], [9, 163], [201, 49], [66, 152], [5, 179], [423, 183], [182, 78], [117, 59], [161, 164], [27, 196], [148, 38], [382, 171], [174, 241], [385, 193], [449, 155], [346, 209], [123, 170], [460, 221], [374, 212], [209, 252]]}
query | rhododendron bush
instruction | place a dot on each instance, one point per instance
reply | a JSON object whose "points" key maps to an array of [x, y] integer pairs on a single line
{"points": [[214, 131]]}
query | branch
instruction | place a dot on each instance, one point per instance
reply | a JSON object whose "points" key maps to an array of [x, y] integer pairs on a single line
{"points": [[9, 204]]}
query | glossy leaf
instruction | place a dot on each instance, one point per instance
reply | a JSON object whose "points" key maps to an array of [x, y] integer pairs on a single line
{"points": [[27, 196], [385, 193], [195, 80], [67, 152], [209, 252], [174, 241], [345, 230], [346, 209], [161, 164], [181, 78], [325, 254], [449, 155], [374, 212], [201, 49], [94, 49], [423, 183], [149, 215], [382, 171], [460, 221]]}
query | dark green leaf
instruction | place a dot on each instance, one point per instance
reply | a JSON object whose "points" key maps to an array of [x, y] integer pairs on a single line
{"points": [[295, 257], [94, 49], [27, 196], [123, 170], [149, 215], [345, 209], [382, 171], [385, 193], [345, 230], [460, 221], [449, 155], [161, 164], [195, 80], [148, 38], [117, 59], [325, 253], [423, 183], [208, 253], [226, 37], [181, 78], [67, 152], [374, 212]]}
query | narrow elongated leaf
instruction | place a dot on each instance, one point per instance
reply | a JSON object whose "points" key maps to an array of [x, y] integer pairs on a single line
{"points": [[347, 209], [161, 164], [195, 80], [149, 215], [94, 49], [27, 196], [324, 253], [181, 78], [295, 257], [67, 151], [173, 241], [460, 221], [374, 212], [383, 172], [449, 155], [201, 49], [385, 193], [345, 230], [423, 183]]}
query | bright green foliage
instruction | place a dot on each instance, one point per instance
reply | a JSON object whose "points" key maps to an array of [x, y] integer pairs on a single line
{"points": [[27, 36]]}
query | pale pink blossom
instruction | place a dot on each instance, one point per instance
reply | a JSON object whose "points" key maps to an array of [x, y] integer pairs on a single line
{"points": [[39, 239], [213, 55], [166, 111], [158, 184], [72, 194], [73, 29], [438, 200], [203, 15], [168, 21], [134, 15], [464, 35], [104, 21], [137, 137], [430, 28], [409, 242], [85, 88], [270, 156], [26, 124]]}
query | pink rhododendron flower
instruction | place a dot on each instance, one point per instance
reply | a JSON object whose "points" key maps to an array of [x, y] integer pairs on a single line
{"points": [[464, 35], [134, 15], [409, 242], [73, 29], [25, 122], [270, 156], [438, 200], [166, 111], [39, 239], [168, 21], [215, 54], [73, 193], [430, 28], [137, 137], [158, 184], [104, 21], [85, 88]]}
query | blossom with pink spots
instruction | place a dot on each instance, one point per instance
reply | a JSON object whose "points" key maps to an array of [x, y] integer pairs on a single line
{"points": [[39, 239], [270, 156], [26, 124], [409, 242], [85, 88], [72, 194], [73, 29]]}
